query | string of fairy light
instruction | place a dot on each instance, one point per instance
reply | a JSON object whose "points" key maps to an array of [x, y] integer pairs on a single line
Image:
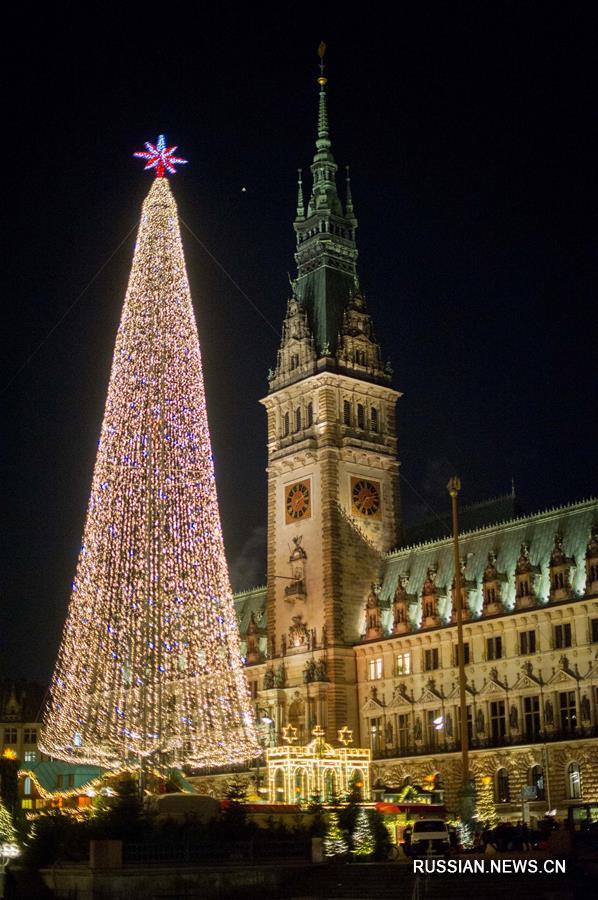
{"points": [[149, 666]]}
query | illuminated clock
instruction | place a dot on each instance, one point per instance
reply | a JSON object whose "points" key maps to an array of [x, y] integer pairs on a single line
{"points": [[365, 498], [297, 501]]}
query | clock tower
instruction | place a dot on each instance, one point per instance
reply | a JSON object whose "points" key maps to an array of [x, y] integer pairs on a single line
{"points": [[333, 493]]}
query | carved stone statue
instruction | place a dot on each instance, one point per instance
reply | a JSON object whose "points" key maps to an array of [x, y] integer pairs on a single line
{"points": [[585, 709], [514, 718], [268, 679], [280, 676], [548, 713], [480, 724], [417, 729], [321, 674], [309, 671], [298, 632], [523, 563]]}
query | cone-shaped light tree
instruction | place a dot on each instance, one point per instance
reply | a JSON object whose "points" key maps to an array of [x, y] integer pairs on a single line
{"points": [[149, 668]]}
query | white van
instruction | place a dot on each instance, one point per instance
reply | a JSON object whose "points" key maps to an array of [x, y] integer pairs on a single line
{"points": [[430, 837]]}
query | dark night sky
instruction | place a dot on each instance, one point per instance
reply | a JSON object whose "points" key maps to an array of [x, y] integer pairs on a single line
{"points": [[472, 138]]}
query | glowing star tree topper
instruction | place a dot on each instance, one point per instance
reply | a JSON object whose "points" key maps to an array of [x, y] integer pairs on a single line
{"points": [[160, 157], [149, 669]]}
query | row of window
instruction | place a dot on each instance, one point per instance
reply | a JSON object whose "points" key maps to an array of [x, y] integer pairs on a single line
{"points": [[11, 735], [495, 649], [301, 419], [535, 780], [404, 731], [358, 417]]}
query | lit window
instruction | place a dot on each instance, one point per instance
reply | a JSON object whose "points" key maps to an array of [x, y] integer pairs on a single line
{"points": [[503, 793], [573, 782], [375, 669], [403, 664], [30, 756], [27, 786]]}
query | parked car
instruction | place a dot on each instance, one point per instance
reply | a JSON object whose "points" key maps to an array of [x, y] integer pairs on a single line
{"points": [[430, 837]]}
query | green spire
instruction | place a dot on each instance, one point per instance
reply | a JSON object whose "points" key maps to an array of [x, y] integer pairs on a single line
{"points": [[326, 252]]}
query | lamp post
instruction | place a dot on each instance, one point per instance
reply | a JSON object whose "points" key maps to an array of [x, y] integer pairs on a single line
{"points": [[467, 791], [262, 717]]}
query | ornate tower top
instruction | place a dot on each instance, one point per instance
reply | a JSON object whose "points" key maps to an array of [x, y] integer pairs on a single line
{"points": [[326, 291]]}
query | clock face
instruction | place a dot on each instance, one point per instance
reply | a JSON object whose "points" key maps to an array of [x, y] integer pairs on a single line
{"points": [[297, 501], [365, 498]]}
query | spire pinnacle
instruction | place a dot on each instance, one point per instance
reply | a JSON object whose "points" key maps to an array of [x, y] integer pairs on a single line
{"points": [[323, 141], [300, 200], [349, 205]]}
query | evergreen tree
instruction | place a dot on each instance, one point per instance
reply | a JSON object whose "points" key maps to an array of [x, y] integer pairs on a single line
{"points": [[8, 832], [334, 839], [485, 807], [150, 664], [363, 839]]}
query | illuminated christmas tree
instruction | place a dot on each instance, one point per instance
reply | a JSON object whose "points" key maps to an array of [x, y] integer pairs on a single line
{"points": [[363, 839], [335, 843], [149, 669], [8, 832], [485, 806]]}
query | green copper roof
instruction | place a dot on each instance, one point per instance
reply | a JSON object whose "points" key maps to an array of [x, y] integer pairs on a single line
{"points": [[326, 250]]}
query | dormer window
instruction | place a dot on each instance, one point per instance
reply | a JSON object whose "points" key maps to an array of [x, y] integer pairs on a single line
{"points": [[561, 566], [294, 361]]}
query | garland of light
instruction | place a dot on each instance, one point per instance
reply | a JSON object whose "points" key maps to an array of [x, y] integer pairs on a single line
{"points": [[150, 668]]}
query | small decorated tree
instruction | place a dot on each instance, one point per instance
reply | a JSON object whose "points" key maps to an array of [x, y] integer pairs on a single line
{"points": [[485, 808], [8, 833], [334, 839], [363, 839]]}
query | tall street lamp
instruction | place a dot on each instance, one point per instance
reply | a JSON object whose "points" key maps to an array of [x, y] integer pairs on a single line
{"points": [[467, 790]]}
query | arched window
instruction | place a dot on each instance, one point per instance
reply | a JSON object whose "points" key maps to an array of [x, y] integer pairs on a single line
{"points": [[301, 792], [503, 794], [535, 778], [310, 415], [298, 419], [573, 782], [27, 786], [374, 419], [356, 781], [279, 786], [347, 412], [360, 416], [286, 426]]}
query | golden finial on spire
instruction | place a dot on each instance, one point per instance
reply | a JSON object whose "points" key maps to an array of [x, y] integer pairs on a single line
{"points": [[321, 51]]}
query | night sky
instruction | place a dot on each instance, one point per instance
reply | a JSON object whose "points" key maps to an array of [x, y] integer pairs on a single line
{"points": [[472, 138]]}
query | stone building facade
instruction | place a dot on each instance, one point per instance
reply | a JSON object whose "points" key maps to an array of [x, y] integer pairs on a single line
{"points": [[351, 631]]}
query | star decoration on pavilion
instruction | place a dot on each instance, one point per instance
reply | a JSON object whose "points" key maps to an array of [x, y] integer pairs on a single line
{"points": [[160, 157], [345, 735], [289, 733]]}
